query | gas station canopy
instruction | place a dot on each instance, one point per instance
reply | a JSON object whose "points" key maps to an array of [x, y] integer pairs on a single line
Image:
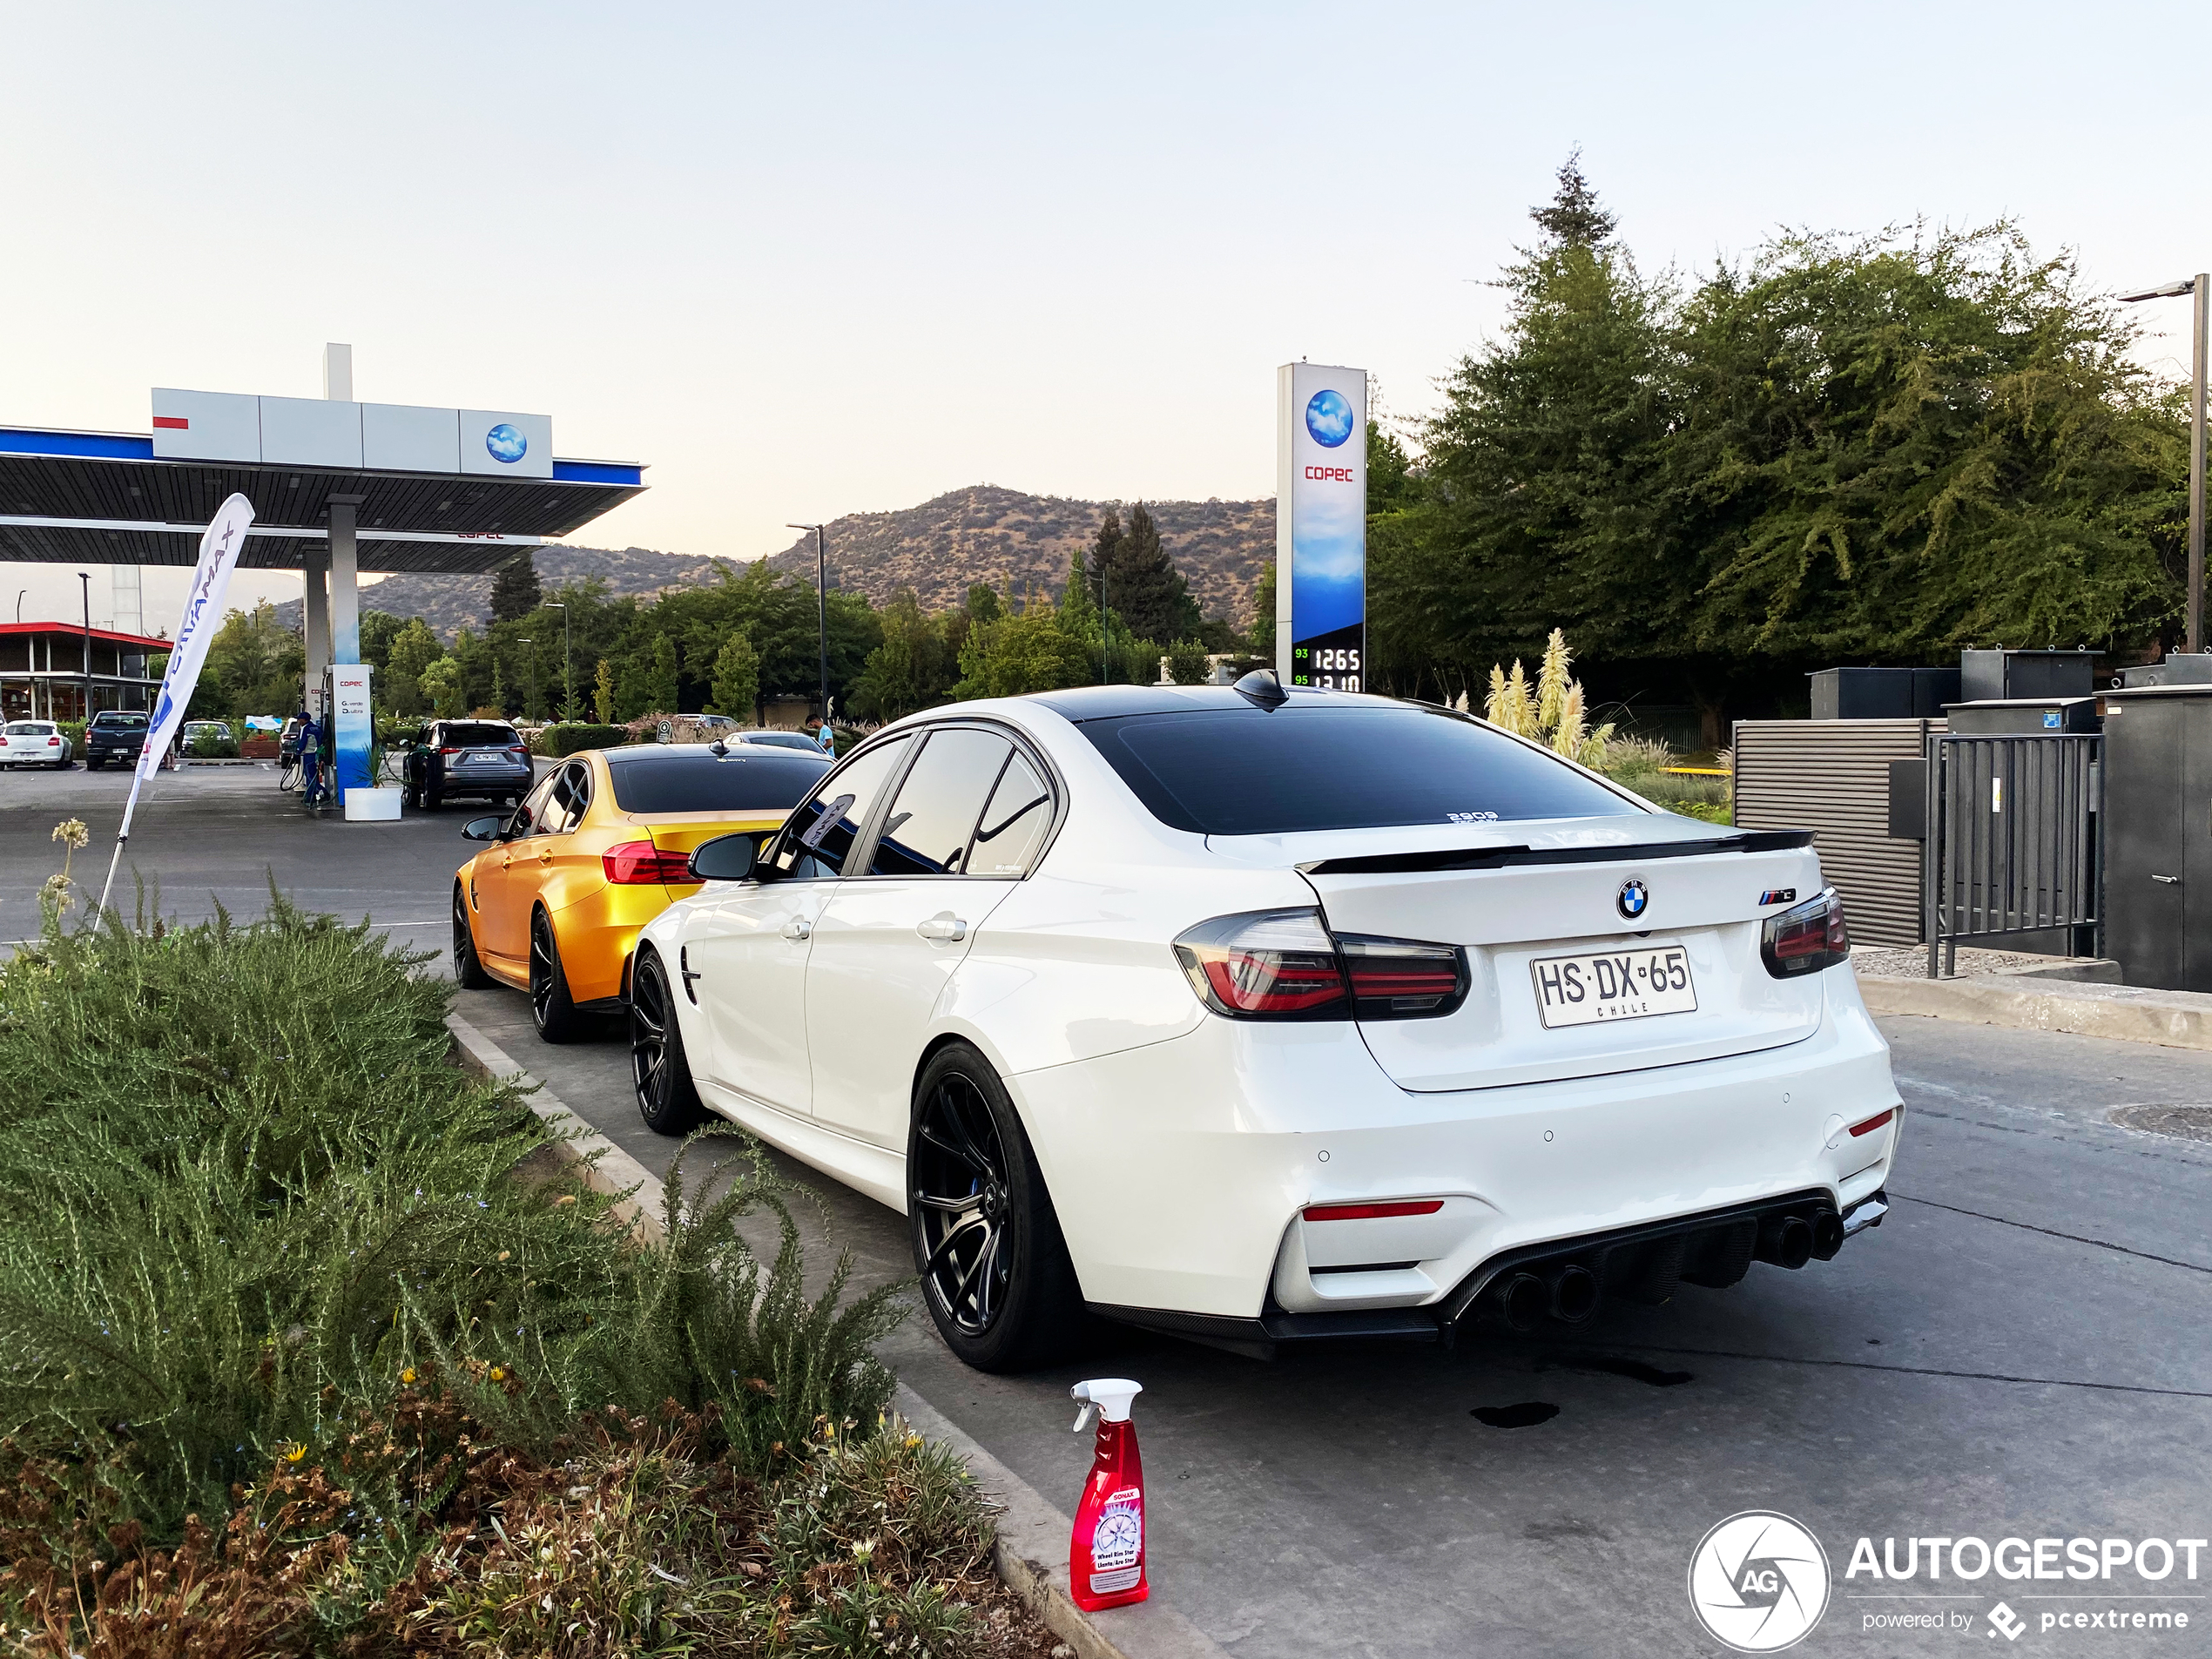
{"points": [[454, 490]]}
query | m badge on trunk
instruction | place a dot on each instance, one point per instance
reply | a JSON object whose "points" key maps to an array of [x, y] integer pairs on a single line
{"points": [[1634, 899]]}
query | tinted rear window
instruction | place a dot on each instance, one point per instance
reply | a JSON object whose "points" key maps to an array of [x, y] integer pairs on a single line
{"points": [[756, 781], [1238, 773], [479, 737], [126, 722]]}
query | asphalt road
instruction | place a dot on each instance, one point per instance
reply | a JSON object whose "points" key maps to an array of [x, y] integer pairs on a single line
{"points": [[2023, 1349]]}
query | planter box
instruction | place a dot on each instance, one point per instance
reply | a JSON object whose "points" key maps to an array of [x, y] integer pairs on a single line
{"points": [[380, 804]]}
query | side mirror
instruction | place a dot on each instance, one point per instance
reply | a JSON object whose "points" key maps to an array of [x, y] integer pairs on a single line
{"points": [[483, 829], [727, 857]]}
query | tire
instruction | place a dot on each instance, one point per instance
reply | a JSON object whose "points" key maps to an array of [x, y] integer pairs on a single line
{"points": [[467, 971], [986, 1244], [552, 1010], [414, 797], [660, 1072]]}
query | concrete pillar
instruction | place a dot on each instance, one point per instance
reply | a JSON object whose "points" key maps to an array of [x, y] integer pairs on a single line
{"points": [[314, 577], [345, 582]]}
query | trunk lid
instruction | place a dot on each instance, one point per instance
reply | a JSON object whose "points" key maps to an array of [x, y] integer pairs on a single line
{"points": [[685, 832], [1516, 895]]}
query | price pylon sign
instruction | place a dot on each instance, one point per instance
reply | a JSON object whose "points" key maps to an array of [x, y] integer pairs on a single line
{"points": [[1321, 526]]}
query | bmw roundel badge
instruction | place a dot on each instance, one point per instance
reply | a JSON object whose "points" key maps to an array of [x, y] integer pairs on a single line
{"points": [[1634, 899]]}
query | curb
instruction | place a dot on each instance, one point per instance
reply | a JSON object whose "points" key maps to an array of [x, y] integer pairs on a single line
{"points": [[2174, 1019], [1032, 1536]]}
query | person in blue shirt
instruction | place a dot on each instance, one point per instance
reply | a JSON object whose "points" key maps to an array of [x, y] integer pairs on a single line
{"points": [[827, 738], [310, 785]]}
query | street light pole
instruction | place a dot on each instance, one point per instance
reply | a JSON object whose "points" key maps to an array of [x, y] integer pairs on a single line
{"points": [[568, 677], [85, 577], [821, 606], [2200, 287]]}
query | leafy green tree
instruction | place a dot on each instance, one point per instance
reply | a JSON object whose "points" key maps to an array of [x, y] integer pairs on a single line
{"points": [[661, 695], [910, 670], [1187, 661], [411, 652], [443, 683], [737, 679], [1262, 632], [1131, 576], [603, 692], [983, 603], [1022, 653], [254, 667], [514, 589], [378, 630]]}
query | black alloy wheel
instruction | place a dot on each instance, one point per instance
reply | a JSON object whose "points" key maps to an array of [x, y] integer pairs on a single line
{"points": [[467, 971], [552, 1009], [986, 1244], [659, 1070]]}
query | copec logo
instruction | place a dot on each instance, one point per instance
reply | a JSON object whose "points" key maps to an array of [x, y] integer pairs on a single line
{"points": [[1328, 417], [505, 444], [1758, 1582]]}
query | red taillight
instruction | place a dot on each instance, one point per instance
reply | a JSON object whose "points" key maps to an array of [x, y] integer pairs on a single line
{"points": [[53, 743], [636, 864], [1285, 965], [1271, 965], [516, 749], [1403, 978], [448, 753], [1873, 1124], [1805, 939], [1373, 1211]]}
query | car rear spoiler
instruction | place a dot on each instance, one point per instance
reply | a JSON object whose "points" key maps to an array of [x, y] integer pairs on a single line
{"points": [[1499, 858]]}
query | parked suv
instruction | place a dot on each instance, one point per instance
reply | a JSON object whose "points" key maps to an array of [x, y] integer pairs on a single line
{"points": [[115, 734], [477, 759]]}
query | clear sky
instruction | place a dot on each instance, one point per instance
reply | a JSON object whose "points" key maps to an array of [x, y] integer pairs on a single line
{"points": [[811, 261]]}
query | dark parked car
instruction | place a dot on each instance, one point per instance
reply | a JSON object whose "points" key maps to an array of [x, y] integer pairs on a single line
{"points": [[115, 734], [474, 759]]}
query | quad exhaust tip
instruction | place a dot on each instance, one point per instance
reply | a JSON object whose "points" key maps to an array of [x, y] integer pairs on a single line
{"points": [[1785, 1241], [1521, 1301], [1574, 1294]]}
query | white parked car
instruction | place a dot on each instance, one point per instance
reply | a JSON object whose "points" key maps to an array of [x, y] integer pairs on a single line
{"points": [[1257, 1018], [34, 743]]}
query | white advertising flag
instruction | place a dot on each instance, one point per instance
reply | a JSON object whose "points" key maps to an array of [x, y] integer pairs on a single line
{"points": [[211, 581]]}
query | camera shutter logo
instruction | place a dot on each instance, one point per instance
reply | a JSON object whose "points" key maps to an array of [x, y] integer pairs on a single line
{"points": [[1758, 1582]]}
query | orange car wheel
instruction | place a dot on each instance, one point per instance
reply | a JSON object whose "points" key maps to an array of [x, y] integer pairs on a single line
{"points": [[552, 1008]]}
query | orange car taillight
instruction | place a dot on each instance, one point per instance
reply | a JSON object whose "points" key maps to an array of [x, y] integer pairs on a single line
{"points": [[639, 864], [1285, 965]]}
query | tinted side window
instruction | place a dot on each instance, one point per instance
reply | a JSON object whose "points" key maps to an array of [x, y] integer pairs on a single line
{"points": [[565, 806], [532, 812], [818, 837], [1014, 824], [934, 817]]}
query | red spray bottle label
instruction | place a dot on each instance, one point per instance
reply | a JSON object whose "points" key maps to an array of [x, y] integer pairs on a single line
{"points": [[1106, 1554]]}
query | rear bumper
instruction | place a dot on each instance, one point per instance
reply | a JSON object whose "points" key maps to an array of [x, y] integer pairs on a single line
{"points": [[1180, 1170], [506, 780]]}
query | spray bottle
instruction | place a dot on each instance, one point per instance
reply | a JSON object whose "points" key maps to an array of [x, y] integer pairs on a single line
{"points": [[1106, 1554]]}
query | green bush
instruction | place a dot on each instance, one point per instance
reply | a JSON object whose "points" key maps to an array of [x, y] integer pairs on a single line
{"points": [[213, 746], [251, 1197], [558, 740], [74, 731]]}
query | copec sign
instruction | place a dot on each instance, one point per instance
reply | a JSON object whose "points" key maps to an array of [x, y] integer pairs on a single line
{"points": [[1321, 526]]}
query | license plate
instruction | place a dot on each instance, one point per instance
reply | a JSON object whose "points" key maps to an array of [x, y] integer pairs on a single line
{"points": [[478, 761], [1613, 984]]}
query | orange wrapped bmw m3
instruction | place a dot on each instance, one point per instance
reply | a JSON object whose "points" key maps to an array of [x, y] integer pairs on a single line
{"points": [[595, 852]]}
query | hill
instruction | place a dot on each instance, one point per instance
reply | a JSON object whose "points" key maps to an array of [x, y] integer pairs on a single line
{"points": [[1017, 543], [447, 602]]}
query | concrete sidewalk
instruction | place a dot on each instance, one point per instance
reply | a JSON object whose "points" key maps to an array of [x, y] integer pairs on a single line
{"points": [[2026, 1003]]}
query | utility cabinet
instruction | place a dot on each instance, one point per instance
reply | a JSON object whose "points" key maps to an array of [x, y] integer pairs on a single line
{"points": [[2158, 851]]}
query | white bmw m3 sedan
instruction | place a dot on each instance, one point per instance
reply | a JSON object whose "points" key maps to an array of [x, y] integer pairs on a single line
{"points": [[1261, 1017]]}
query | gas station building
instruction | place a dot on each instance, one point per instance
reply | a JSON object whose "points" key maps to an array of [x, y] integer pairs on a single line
{"points": [[49, 670], [338, 488]]}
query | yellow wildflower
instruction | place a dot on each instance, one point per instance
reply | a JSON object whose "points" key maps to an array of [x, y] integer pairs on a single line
{"points": [[407, 1375]]}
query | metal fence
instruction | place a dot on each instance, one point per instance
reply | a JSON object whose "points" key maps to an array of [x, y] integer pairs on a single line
{"points": [[2012, 843]]}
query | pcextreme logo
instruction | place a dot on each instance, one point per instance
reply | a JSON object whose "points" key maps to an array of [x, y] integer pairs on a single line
{"points": [[1758, 1582]]}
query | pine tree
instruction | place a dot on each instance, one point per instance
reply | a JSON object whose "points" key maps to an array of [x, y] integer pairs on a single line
{"points": [[1147, 590], [603, 692], [660, 677], [515, 590], [1575, 218], [1103, 569]]}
